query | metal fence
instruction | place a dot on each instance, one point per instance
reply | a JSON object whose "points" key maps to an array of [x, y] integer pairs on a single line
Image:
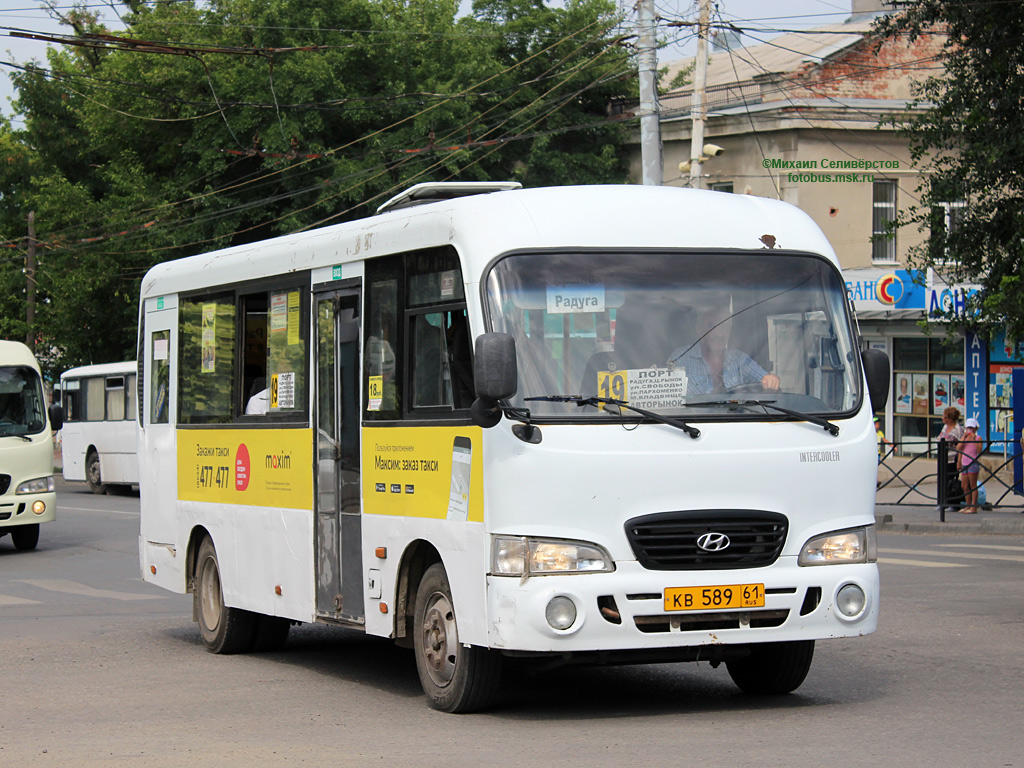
{"points": [[931, 477]]}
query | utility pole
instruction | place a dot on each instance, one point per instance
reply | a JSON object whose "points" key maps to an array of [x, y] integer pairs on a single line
{"points": [[698, 108], [650, 111], [30, 289]]}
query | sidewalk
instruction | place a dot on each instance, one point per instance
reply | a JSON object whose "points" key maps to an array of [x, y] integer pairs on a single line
{"points": [[918, 514]]}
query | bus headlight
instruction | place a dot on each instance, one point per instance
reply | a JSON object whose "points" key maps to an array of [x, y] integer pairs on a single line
{"points": [[524, 556], [856, 545], [39, 485]]}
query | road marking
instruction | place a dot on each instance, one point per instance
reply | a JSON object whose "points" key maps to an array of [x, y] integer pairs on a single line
{"points": [[8, 600], [983, 546], [919, 563], [964, 555], [74, 588], [64, 507]]}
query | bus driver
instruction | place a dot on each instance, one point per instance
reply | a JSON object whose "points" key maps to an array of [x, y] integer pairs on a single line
{"points": [[711, 366]]}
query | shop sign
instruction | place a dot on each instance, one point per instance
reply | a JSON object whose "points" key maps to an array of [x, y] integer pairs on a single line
{"points": [[976, 366], [881, 289]]}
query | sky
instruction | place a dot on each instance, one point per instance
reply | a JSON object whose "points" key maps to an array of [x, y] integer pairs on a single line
{"points": [[31, 16]]}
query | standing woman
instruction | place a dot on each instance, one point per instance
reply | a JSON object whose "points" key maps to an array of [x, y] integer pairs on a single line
{"points": [[953, 433], [967, 460]]}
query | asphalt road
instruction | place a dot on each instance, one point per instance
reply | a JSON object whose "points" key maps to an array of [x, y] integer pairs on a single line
{"points": [[98, 668]]}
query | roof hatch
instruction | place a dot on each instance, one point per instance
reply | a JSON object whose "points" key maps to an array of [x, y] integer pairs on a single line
{"points": [[432, 192]]}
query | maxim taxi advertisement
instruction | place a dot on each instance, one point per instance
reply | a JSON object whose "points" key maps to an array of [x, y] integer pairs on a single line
{"points": [[254, 467], [424, 472]]}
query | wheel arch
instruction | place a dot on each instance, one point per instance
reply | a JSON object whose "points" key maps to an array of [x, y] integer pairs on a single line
{"points": [[418, 556], [195, 540]]}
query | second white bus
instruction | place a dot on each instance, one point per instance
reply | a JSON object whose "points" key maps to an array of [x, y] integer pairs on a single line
{"points": [[587, 424], [98, 437]]}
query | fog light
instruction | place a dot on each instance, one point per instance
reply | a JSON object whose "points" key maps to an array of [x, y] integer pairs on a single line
{"points": [[560, 613], [851, 600], [38, 507]]}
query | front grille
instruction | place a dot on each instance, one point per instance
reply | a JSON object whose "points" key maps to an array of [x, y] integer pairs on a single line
{"points": [[710, 622], [5, 483], [668, 541]]}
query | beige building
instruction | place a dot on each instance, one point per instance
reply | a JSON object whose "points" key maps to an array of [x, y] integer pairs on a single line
{"points": [[798, 119]]}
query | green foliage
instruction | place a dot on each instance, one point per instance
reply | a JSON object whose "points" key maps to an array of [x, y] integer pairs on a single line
{"points": [[236, 120], [966, 135]]}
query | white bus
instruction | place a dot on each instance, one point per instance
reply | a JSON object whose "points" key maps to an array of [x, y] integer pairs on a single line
{"points": [[99, 434], [27, 492], [495, 425]]}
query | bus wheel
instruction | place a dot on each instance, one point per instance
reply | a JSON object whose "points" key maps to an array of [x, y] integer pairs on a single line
{"points": [[224, 630], [773, 668], [455, 677], [92, 473], [25, 537]]}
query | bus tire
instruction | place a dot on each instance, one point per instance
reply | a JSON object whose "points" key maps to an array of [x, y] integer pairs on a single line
{"points": [[25, 537], [271, 633], [224, 630], [772, 668], [93, 476], [455, 677]]}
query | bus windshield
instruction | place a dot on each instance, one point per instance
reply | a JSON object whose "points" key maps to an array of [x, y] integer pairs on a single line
{"points": [[22, 409], [677, 333]]}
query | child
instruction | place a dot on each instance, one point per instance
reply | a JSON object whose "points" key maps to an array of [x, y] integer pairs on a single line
{"points": [[967, 462]]}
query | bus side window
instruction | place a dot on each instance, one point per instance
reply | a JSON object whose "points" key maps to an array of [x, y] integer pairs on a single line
{"points": [[129, 398], [71, 399], [430, 385], [95, 399], [160, 378], [254, 354], [114, 386], [460, 360]]}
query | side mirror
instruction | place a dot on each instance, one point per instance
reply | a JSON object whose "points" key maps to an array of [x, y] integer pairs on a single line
{"points": [[56, 417], [876, 369], [495, 374]]}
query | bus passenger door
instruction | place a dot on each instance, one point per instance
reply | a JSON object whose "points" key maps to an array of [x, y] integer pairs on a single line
{"points": [[338, 532], [155, 450]]}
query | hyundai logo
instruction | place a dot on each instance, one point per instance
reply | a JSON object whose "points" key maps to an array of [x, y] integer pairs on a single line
{"points": [[712, 542]]}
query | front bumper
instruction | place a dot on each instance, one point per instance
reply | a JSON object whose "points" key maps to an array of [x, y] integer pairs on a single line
{"points": [[17, 509], [624, 610]]}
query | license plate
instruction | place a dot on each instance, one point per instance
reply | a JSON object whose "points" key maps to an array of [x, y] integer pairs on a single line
{"points": [[710, 598]]}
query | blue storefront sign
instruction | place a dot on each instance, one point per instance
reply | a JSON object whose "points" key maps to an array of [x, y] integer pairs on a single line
{"points": [[976, 370]]}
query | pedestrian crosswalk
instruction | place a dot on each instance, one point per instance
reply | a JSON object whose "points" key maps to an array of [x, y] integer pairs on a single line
{"points": [[955, 555], [19, 592]]}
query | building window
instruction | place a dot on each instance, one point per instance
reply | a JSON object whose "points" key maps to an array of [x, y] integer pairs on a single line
{"points": [[883, 243], [722, 186], [946, 219]]}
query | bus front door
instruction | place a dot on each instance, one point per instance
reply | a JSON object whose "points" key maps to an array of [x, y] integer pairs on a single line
{"points": [[339, 592]]}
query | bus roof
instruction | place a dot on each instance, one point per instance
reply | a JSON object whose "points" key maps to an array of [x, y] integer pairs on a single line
{"points": [[482, 227], [101, 369], [16, 353]]}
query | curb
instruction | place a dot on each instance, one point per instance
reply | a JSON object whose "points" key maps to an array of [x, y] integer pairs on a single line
{"points": [[1013, 527]]}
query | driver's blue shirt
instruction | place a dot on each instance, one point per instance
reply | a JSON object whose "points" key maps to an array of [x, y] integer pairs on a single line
{"points": [[738, 369]]}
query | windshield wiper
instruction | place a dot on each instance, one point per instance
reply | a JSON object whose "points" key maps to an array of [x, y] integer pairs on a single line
{"points": [[581, 401], [16, 434], [825, 424]]}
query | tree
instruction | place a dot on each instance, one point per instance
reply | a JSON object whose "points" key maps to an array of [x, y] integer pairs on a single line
{"points": [[966, 134], [213, 124]]}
